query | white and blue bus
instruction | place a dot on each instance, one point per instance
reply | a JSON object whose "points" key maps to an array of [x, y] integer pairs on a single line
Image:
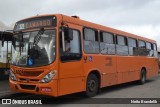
{"points": [[5, 53]]}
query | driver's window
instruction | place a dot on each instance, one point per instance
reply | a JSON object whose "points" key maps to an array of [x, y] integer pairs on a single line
{"points": [[72, 47]]}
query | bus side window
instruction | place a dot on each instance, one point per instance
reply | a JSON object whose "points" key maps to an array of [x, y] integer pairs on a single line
{"points": [[141, 44], [91, 44], [107, 45], [132, 44], [155, 50], [149, 49], [122, 48], [142, 48], [70, 48]]}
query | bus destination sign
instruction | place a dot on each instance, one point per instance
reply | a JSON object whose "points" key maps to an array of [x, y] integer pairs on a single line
{"points": [[39, 22]]}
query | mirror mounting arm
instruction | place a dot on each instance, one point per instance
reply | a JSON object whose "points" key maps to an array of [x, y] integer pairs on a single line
{"points": [[63, 41]]}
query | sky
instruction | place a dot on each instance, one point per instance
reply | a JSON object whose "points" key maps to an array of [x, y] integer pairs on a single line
{"points": [[139, 17]]}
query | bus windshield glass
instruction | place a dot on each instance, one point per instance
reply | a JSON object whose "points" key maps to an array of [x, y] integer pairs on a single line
{"points": [[35, 48]]}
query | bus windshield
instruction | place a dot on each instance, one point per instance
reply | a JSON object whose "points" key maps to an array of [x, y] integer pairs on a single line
{"points": [[35, 48]]}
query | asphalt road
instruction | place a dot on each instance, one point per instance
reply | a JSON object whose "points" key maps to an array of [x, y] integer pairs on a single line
{"points": [[151, 89]]}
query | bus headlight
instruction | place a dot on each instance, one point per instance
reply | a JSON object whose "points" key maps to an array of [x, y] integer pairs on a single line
{"points": [[49, 76], [12, 76]]}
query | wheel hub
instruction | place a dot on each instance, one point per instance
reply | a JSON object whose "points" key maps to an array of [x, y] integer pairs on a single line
{"points": [[92, 85]]}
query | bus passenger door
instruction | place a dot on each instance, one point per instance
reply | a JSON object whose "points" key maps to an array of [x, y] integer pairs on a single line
{"points": [[70, 67]]}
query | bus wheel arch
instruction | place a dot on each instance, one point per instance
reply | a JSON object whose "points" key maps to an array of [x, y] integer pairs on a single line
{"points": [[93, 78]]}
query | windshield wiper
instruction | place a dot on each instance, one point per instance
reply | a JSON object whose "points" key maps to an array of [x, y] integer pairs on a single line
{"points": [[38, 36]]}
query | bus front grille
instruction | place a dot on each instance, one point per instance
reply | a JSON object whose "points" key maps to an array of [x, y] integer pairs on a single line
{"points": [[28, 87], [28, 80], [28, 73]]}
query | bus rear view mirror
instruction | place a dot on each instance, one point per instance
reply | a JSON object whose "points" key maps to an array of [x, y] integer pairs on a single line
{"points": [[68, 34], [2, 39], [20, 36], [13, 42]]}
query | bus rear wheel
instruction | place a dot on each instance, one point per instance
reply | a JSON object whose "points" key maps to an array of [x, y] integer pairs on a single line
{"points": [[142, 76], [91, 85]]}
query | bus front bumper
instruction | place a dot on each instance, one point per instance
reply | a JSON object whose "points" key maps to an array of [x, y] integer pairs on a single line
{"points": [[49, 89]]}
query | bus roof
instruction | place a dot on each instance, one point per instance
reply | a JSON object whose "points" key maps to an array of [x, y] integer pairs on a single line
{"points": [[88, 24]]}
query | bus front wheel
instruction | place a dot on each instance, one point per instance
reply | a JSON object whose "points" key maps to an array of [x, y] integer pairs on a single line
{"points": [[91, 85]]}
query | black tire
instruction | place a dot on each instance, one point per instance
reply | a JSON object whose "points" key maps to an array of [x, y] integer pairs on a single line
{"points": [[142, 77], [92, 85]]}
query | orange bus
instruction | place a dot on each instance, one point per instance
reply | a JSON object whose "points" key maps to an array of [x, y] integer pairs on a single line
{"points": [[57, 55]]}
